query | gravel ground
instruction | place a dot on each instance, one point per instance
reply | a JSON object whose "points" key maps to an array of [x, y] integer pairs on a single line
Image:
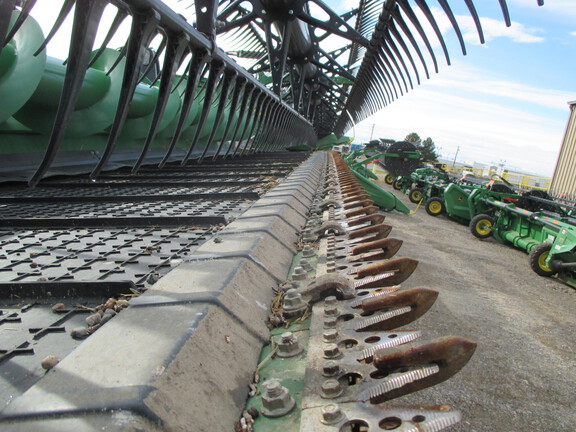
{"points": [[523, 373]]}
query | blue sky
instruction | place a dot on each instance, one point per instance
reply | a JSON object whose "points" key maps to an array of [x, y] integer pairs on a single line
{"points": [[505, 100]]}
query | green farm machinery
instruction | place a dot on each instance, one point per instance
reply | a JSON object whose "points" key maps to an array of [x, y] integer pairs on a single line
{"points": [[549, 237], [425, 183], [460, 199], [381, 197]]}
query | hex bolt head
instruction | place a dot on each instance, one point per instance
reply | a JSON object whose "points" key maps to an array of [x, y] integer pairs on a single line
{"points": [[307, 251], [331, 388], [330, 322], [276, 400], [292, 304], [288, 345], [299, 273], [330, 310], [330, 335], [331, 350], [330, 368], [306, 265], [331, 414], [331, 300]]}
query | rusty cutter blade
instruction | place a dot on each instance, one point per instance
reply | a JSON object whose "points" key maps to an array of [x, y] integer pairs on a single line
{"points": [[428, 364], [388, 340], [396, 309], [372, 219], [387, 273], [369, 233], [375, 250]]}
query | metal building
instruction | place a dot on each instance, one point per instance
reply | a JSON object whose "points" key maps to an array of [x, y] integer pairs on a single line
{"points": [[564, 179]]}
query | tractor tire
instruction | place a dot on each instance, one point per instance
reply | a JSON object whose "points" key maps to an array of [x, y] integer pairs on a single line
{"points": [[397, 185], [416, 195], [434, 206], [537, 260], [481, 226], [389, 179]]}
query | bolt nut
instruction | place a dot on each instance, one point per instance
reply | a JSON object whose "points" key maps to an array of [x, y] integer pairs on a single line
{"points": [[292, 304], [276, 400], [331, 388], [307, 251], [306, 265], [330, 335], [330, 322], [331, 300], [330, 310], [330, 368], [288, 345], [331, 351], [331, 414], [299, 273]]}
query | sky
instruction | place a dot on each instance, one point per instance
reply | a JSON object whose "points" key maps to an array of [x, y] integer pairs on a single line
{"points": [[504, 102]]}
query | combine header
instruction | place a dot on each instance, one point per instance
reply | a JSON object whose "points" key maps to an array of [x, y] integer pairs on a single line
{"points": [[165, 263]]}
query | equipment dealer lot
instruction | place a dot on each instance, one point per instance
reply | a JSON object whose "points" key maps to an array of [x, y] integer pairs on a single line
{"points": [[522, 375]]}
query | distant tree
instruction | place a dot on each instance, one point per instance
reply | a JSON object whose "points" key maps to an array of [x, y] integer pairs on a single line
{"points": [[413, 138], [427, 148]]}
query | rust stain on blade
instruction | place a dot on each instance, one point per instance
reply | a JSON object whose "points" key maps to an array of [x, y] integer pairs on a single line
{"points": [[402, 268], [449, 353], [389, 247]]}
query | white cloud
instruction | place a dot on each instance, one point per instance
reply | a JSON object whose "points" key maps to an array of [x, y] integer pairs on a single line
{"points": [[573, 33], [454, 111], [492, 28]]}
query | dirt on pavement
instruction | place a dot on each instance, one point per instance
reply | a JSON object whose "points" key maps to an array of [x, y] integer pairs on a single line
{"points": [[523, 374]]}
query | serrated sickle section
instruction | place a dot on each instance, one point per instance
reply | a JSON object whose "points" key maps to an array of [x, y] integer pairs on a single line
{"points": [[371, 209], [372, 219], [411, 303], [360, 203], [380, 293], [386, 248], [370, 233], [401, 269], [392, 340], [429, 364]]}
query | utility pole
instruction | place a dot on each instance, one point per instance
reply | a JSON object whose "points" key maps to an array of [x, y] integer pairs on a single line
{"points": [[455, 156], [372, 133]]}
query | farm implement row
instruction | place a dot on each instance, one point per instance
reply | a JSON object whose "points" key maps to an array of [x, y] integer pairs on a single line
{"points": [[530, 221]]}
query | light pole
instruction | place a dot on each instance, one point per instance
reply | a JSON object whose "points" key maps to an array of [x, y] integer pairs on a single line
{"points": [[455, 156]]}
